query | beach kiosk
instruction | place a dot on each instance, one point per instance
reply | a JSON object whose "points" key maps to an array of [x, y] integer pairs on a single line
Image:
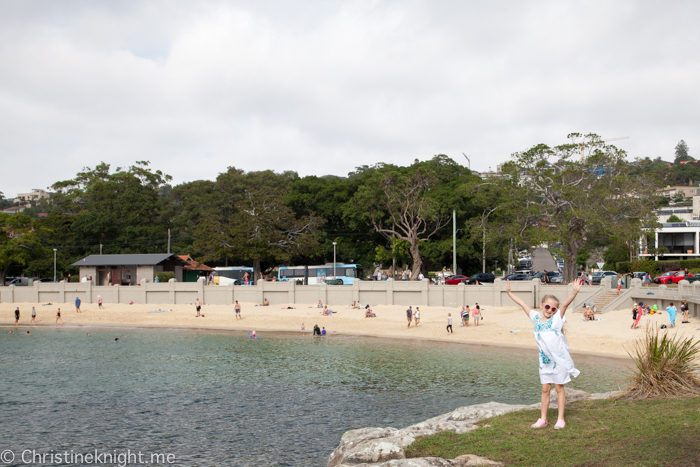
{"points": [[128, 269]]}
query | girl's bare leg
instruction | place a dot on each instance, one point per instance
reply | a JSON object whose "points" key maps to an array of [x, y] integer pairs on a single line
{"points": [[561, 400], [546, 388]]}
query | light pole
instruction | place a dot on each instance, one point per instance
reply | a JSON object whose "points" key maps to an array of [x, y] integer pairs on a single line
{"points": [[54, 264], [496, 271], [334, 244]]}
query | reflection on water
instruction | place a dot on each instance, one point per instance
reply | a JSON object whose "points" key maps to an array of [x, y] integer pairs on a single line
{"points": [[222, 399]]}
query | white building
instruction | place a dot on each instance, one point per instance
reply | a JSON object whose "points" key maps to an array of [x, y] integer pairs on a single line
{"points": [[680, 240], [35, 195]]}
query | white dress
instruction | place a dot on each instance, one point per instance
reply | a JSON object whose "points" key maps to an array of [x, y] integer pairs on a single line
{"points": [[556, 365]]}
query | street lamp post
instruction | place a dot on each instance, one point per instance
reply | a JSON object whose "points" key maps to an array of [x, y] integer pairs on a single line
{"points": [[334, 244], [54, 264]]}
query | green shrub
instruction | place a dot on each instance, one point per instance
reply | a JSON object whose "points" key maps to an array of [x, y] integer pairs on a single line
{"points": [[645, 265], [623, 267], [666, 366], [690, 263], [164, 276], [665, 266], [609, 266]]}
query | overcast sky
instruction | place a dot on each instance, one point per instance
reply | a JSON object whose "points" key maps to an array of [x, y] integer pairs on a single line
{"points": [[321, 87]]}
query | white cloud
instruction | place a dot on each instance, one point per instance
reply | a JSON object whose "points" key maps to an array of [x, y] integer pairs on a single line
{"points": [[322, 87]]}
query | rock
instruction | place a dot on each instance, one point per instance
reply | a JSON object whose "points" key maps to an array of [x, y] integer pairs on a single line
{"points": [[384, 447], [605, 395]]}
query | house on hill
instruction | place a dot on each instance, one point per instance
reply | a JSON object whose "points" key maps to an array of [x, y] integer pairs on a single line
{"points": [[129, 269]]}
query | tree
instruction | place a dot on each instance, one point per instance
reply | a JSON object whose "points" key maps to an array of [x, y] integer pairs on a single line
{"points": [[682, 153], [254, 222], [19, 243], [674, 218], [565, 200], [398, 203], [121, 210]]}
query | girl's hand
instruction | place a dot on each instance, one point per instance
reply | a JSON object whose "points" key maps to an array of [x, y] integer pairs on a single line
{"points": [[576, 285], [508, 285]]}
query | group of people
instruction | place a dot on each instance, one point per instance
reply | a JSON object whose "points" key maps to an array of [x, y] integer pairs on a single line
{"points": [[317, 331], [474, 312], [413, 316], [640, 309]]}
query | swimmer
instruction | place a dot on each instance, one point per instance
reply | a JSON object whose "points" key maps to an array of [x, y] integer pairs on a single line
{"points": [[28, 333], [116, 339]]}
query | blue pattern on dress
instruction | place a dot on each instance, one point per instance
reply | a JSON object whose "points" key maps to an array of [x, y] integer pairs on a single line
{"points": [[543, 325]]}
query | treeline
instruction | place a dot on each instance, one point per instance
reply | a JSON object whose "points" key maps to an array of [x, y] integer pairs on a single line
{"points": [[375, 214]]}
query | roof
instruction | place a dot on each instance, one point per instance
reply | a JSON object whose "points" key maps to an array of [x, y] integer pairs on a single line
{"points": [[193, 265], [126, 260]]}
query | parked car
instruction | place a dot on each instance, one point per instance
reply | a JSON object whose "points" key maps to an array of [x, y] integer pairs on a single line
{"points": [[23, 281], [482, 278], [8, 280], [550, 274], [519, 277], [639, 275], [598, 276], [525, 262], [47, 279], [558, 279], [454, 280], [671, 277]]}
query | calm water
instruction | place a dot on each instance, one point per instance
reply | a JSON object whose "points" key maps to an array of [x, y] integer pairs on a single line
{"points": [[214, 399]]}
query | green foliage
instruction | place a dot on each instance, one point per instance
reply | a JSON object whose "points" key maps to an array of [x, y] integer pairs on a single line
{"points": [[689, 263], [20, 243], [682, 153], [623, 267], [644, 265], [674, 218], [666, 366], [665, 266], [569, 201], [165, 276], [400, 249], [616, 252]]}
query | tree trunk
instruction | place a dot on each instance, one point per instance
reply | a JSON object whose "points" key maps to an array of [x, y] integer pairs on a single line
{"points": [[256, 270], [571, 249], [483, 251], [417, 262]]}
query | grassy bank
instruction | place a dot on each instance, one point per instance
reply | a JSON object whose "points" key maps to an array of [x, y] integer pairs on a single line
{"points": [[662, 432]]}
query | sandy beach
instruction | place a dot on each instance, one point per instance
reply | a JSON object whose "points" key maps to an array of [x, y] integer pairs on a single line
{"points": [[607, 337]]}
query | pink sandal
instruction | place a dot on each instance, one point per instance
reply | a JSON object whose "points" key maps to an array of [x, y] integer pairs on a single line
{"points": [[540, 423], [560, 424]]}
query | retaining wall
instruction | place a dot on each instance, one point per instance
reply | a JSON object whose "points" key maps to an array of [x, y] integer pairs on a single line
{"points": [[365, 292]]}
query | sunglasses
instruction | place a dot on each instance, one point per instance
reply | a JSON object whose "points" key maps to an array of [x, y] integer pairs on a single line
{"points": [[553, 308]]}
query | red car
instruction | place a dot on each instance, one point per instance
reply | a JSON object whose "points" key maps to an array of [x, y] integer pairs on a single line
{"points": [[454, 280], [671, 277]]}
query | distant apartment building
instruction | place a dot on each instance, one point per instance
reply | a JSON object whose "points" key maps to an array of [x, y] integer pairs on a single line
{"points": [[676, 191], [36, 195]]}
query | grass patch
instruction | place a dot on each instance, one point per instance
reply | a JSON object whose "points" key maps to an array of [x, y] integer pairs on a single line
{"points": [[649, 433]]}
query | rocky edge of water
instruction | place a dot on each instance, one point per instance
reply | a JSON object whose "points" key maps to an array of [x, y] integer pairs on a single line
{"points": [[384, 447]]}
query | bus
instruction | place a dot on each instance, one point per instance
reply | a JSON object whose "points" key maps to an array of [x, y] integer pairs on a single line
{"points": [[347, 273], [232, 275]]}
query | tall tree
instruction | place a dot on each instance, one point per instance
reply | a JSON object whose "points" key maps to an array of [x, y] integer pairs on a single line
{"points": [[682, 153], [19, 243], [567, 200], [254, 222]]}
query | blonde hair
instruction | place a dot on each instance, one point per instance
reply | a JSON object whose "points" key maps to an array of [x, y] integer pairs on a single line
{"points": [[550, 297]]}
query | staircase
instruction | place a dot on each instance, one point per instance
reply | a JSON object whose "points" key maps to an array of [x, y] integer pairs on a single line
{"points": [[602, 300]]}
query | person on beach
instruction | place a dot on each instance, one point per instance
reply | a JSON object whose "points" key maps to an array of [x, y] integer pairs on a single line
{"points": [[556, 365], [636, 315], [416, 316], [33, 321], [319, 304], [317, 330], [265, 302], [16, 316], [671, 310], [99, 303], [465, 315], [323, 331], [619, 285], [588, 314], [409, 315], [237, 309], [58, 317], [77, 304], [303, 329], [198, 307], [449, 323], [686, 310], [476, 315]]}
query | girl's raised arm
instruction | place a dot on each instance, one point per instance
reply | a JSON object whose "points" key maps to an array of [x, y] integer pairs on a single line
{"points": [[519, 301], [576, 285]]}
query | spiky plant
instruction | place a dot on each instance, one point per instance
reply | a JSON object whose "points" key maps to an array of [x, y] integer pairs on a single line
{"points": [[666, 366]]}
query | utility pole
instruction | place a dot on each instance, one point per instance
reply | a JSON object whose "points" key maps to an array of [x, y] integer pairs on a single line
{"points": [[168, 241], [100, 248], [454, 242], [334, 244], [469, 162], [54, 264]]}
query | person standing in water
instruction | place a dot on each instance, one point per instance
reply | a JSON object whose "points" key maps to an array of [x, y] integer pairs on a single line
{"points": [[16, 316]]}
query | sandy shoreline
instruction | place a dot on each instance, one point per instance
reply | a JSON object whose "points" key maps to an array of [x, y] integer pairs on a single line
{"points": [[600, 338]]}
